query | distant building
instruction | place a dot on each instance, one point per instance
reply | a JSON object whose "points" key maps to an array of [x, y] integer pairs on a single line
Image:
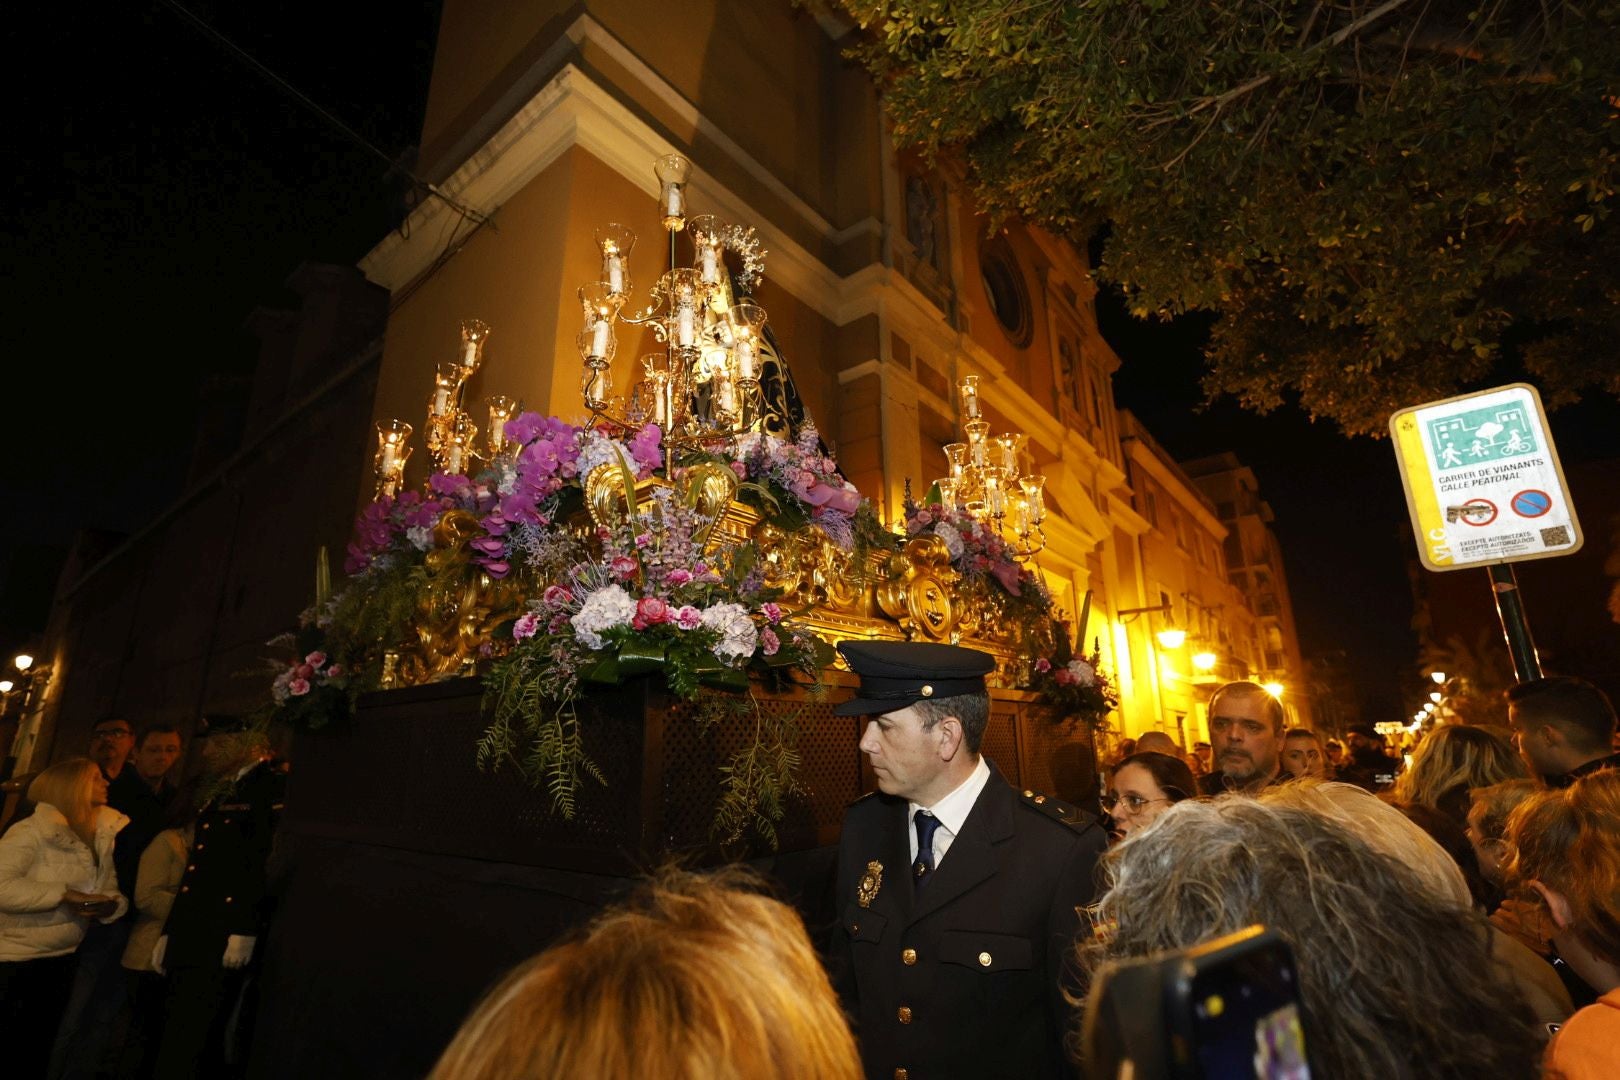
{"points": [[1254, 564]]}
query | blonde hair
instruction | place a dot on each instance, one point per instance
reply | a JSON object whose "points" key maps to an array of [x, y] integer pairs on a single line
{"points": [[697, 977], [1570, 842], [1456, 756], [69, 787], [1384, 829]]}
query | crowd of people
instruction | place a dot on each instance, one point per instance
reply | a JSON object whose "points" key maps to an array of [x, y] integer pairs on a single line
{"points": [[130, 906], [1455, 914]]}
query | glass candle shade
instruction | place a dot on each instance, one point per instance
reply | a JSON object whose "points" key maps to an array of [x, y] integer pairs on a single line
{"points": [[947, 493], [600, 305], [977, 432], [393, 451], [1034, 488], [446, 381], [957, 455], [679, 289], [708, 259], [615, 242], [501, 409], [970, 396], [672, 171], [474, 333], [747, 326]]}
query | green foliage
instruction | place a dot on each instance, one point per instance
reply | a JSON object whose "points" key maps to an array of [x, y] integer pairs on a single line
{"points": [[539, 734], [373, 613], [758, 780], [1371, 195]]}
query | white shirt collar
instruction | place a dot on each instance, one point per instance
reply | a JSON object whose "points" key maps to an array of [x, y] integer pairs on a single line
{"points": [[954, 808]]}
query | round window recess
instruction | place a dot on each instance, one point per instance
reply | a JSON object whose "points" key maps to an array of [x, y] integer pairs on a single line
{"points": [[1004, 287]]}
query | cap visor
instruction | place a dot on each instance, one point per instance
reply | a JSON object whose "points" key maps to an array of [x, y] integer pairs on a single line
{"points": [[869, 706]]}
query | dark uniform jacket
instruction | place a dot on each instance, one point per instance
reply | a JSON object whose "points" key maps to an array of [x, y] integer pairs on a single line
{"points": [[962, 978], [222, 892]]}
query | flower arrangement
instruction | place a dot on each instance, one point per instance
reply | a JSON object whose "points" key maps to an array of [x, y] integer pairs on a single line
{"points": [[650, 597], [312, 689], [797, 483], [1075, 686]]}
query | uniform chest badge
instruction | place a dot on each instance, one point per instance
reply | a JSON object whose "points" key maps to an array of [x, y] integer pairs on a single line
{"points": [[871, 882]]}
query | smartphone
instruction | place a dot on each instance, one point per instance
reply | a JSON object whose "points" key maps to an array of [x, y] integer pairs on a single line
{"points": [[1228, 1008]]}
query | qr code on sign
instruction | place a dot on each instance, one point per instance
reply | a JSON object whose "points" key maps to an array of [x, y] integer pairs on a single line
{"points": [[1557, 536]]}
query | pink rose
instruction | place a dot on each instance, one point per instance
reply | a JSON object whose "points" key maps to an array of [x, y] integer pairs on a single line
{"points": [[526, 627], [678, 576], [335, 671], [772, 612], [688, 617], [298, 687], [556, 596], [769, 642], [315, 659], [1063, 677], [304, 671], [650, 611], [1043, 665], [624, 566]]}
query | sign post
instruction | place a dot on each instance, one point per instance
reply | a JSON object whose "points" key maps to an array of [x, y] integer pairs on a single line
{"points": [[1485, 488]]}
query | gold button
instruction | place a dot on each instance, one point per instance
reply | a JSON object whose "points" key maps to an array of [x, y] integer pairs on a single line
{"points": [[908, 957], [1039, 799], [905, 1014], [205, 824], [228, 899], [185, 888], [854, 927], [1029, 794], [901, 1074], [984, 959], [193, 866], [199, 847], [927, 691]]}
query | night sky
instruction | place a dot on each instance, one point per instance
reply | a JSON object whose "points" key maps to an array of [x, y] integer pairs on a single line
{"points": [[167, 191]]}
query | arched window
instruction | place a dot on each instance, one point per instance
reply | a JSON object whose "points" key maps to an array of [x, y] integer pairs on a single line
{"points": [[1004, 288]]}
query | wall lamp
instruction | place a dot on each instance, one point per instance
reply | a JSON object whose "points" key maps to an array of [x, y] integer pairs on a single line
{"points": [[1170, 637]]}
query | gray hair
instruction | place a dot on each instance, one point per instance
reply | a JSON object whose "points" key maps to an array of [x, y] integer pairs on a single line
{"points": [[973, 710], [1394, 982]]}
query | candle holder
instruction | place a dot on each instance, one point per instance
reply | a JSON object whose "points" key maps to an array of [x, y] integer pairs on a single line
{"points": [[672, 171], [393, 451], [474, 333], [615, 242], [987, 482], [501, 409], [708, 244]]}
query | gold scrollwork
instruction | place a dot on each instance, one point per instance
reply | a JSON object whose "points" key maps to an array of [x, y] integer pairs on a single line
{"points": [[460, 607]]}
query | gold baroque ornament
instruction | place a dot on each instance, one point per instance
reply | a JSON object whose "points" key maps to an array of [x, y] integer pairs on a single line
{"points": [[871, 882], [919, 591], [458, 608]]}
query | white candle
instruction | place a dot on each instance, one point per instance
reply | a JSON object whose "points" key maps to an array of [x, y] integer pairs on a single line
{"points": [[684, 331], [660, 405], [745, 358], [599, 339], [441, 401], [452, 460], [615, 273], [673, 202], [389, 460], [469, 354], [497, 430], [711, 272], [728, 399]]}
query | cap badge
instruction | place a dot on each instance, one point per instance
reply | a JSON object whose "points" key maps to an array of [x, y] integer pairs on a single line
{"points": [[927, 691], [871, 881]]}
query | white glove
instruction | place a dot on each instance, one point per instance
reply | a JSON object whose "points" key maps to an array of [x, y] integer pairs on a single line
{"points": [[158, 950], [239, 950]]}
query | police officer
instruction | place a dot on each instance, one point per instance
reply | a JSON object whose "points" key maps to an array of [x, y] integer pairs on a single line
{"points": [[218, 914], [960, 899]]}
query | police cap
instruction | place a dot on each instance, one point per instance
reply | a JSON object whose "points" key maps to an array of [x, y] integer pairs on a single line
{"points": [[895, 674]]}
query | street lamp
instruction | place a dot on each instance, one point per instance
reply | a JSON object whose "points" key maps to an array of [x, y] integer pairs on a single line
{"points": [[1204, 661], [1275, 689], [23, 661], [6, 685], [1438, 677]]}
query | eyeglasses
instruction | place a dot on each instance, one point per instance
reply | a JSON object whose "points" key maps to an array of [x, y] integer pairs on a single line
{"points": [[1133, 803]]}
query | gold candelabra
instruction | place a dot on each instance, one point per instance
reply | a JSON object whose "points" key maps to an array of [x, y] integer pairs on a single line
{"points": [[702, 387], [987, 480]]}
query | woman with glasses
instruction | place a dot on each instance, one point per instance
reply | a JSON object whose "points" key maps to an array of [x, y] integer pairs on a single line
{"points": [[1143, 787]]}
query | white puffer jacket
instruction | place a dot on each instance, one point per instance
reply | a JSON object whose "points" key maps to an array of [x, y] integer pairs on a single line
{"points": [[40, 860]]}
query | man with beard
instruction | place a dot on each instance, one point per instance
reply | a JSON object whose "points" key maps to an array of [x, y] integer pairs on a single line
{"points": [[1246, 733], [1370, 767]]}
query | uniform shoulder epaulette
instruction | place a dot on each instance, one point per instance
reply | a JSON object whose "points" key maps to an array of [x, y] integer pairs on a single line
{"points": [[861, 798], [1056, 809]]}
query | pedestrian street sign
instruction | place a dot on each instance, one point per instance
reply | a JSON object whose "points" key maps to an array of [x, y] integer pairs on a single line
{"points": [[1483, 482]]}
